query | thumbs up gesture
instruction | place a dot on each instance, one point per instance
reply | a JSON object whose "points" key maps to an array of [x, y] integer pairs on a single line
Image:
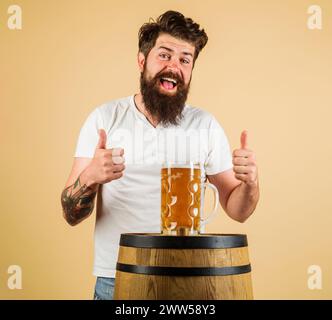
{"points": [[107, 164], [244, 162]]}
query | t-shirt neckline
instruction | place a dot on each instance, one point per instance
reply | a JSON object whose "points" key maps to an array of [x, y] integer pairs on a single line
{"points": [[142, 116]]}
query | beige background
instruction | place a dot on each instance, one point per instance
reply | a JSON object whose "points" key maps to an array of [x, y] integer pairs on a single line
{"points": [[262, 70]]}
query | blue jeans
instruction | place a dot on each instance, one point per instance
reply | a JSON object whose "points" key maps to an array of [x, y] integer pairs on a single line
{"points": [[104, 289]]}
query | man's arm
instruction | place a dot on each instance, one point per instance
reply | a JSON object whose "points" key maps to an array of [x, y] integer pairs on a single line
{"points": [[78, 198], [242, 201], [87, 174], [238, 200]]}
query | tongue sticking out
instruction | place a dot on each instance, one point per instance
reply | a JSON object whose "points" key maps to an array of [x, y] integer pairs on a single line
{"points": [[167, 85]]}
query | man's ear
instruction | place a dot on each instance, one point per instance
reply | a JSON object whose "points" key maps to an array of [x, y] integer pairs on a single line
{"points": [[141, 61]]}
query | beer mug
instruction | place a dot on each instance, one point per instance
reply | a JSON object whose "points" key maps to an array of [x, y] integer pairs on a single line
{"points": [[182, 198]]}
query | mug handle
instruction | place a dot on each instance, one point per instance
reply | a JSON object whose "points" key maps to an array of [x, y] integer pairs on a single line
{"points": [[204, 221]]}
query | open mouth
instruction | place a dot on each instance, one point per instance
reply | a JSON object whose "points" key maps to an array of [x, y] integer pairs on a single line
{"points": [[168, 83]]}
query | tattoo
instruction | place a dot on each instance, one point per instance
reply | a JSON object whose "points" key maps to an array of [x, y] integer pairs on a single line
{"points": [[77, 202]]}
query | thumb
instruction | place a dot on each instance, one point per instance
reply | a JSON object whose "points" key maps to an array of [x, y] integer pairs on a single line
{"points": [[102, 139], [244, 139]]}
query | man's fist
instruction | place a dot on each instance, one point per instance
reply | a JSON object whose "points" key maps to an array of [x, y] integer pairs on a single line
{"points": [[244, 162], [107, 164]]}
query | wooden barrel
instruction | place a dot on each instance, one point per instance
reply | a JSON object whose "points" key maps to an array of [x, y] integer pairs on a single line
{"points": [[204, 267]]}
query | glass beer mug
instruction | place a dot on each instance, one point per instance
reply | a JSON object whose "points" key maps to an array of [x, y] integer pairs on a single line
{"points": [[182, 198]]}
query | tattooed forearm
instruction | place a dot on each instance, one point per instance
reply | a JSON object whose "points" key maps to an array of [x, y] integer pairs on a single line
{"points": [[77, 202]]}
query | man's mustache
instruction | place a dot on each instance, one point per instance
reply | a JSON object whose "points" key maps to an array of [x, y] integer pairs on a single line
{"points": [[169, 74]]}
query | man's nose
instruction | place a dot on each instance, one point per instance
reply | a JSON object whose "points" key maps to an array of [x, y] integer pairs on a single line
{"points": [[174, 67]]}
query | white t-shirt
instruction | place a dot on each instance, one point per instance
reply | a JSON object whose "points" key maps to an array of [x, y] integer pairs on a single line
{"points": [[132, 203]]}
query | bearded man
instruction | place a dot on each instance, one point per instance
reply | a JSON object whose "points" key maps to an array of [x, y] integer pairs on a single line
{"points": [[148, 128]]}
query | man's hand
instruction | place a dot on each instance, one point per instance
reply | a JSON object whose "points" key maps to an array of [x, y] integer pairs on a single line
{"points": [[244, 162], [106, 165]]}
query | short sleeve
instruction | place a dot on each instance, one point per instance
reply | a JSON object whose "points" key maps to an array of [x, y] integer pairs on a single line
{"points": [[88, 136], [219, 157]]}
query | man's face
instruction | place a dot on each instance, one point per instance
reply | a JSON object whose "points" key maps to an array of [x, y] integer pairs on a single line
{"points": [[166, 76]]}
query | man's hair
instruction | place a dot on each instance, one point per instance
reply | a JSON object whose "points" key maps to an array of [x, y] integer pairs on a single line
{"points": [[175, 24]]}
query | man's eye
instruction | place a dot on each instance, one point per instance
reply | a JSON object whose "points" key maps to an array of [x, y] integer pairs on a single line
{"points": [[164, 56], [185, 61]]}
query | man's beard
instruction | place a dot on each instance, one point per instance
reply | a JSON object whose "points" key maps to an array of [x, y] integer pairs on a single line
{"points": [[167, 108]]}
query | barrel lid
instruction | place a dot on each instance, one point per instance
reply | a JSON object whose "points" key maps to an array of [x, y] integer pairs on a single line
{"points": [[202, 241]]}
